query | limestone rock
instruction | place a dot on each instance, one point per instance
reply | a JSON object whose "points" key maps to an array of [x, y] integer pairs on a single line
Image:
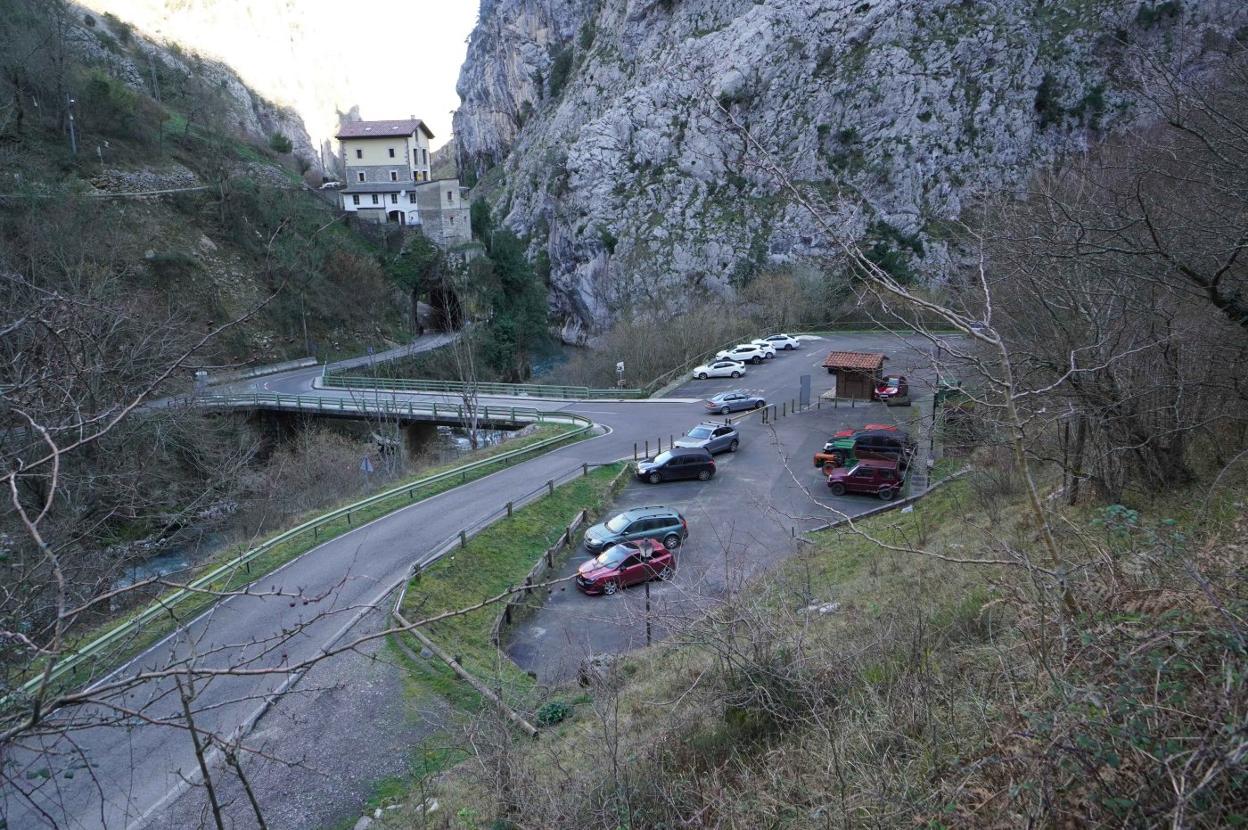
{"points": [[634, 178]]}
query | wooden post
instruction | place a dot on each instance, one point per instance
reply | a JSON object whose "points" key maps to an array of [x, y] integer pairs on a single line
{"points": [[647, 448], [634, 450], [463, 538], [348, 518], [550, 487], [783, 412], [509, 510], [584, 470]]}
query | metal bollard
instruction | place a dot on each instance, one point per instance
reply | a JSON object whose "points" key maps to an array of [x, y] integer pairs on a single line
{"points": [[584, 469], [634, 450], [509, 510], [783, 412], [647, 455], [550, 487], [463, 538]]}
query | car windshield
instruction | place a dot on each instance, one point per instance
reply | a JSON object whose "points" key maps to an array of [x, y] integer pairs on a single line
{"points": [[700, 432], [617, 524], [663, 458], [613, 556]]}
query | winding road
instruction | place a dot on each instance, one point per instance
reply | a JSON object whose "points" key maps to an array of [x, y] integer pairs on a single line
{"points": [[346, 723]]}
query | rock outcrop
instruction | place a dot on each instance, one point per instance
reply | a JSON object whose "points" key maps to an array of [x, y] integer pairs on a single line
{"points": [[613, 132]]}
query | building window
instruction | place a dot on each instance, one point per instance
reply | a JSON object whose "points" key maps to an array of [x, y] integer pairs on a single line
{"points": [[355, 200], [452, 219], [359, 154], [374, 198], [361, 175], [411, 197], [394, 175], [394, 198], [415, 156], [391, 152], [450, 197], [413, 175], [425, 153]]}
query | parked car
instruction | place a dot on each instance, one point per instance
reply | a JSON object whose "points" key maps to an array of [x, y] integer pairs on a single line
{"points": [[781, 341], [833, 453], [893, 390], [719, 369], [712, 437], [890, 444], [650, 522], [744, 353], [733, 401], [769, 351], [331, 185], [625, 564], [870, 476], [681, 462]]}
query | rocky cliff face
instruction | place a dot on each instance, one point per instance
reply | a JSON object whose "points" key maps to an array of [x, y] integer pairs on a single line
{"points": [[608, 130], [139, 62]]}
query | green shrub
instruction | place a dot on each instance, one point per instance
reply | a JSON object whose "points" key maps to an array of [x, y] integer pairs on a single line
{"points": [[1149, 16], [279, 143], [556, 711], [560, 70]]}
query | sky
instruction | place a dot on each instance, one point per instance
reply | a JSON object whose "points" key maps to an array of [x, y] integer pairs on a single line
{"points": [[391, 58]]}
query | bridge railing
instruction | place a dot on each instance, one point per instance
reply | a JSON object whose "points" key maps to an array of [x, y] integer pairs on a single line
{"points": [[369, 403], [455, 387], [79, 665]]}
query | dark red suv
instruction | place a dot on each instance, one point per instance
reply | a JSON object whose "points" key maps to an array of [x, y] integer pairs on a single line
{"points": [[870, 476], [625, 564]]}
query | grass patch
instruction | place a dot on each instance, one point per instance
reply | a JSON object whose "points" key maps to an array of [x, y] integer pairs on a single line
{"points": [[494, 560], [287, 551]]}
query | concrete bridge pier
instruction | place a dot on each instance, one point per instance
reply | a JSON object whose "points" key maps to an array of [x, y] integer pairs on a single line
{"points": [[418, 436]]}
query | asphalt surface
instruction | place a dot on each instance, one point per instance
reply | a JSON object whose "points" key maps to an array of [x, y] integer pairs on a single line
{"points": [[134, 772]]}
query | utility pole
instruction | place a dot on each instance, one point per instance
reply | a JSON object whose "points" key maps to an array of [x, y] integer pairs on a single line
{"points": [[73, 136]]}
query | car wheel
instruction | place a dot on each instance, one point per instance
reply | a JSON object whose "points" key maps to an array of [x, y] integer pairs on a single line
{"points": [[701, 375], [756, 360], [837, 488], [723, 410], [671, 541], [655, 478], [789, 347], [667, 573], [705, 475], [887, 494], [735, 373], [733, 446], [759, 404], [611, 587]]}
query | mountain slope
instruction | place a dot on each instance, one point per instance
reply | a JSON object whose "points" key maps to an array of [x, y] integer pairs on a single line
{"points": [[605, 130]]}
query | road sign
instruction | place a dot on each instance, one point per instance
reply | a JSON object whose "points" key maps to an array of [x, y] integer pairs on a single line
{"points": [[366, 465]]}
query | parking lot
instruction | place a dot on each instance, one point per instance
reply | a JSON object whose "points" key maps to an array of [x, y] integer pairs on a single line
{"points": [[741, 522]]}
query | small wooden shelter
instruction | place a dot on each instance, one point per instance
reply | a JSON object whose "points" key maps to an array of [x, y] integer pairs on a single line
{"points": [[857, 373]]}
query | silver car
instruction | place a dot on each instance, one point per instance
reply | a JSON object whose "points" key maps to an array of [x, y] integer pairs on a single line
{"points": [[711, 437], [733, 401]]}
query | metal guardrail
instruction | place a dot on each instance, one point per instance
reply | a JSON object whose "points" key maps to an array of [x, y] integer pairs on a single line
{"points": [[455, 387], [73, 663]]}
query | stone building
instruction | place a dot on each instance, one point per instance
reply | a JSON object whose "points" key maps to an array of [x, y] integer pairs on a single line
{"points": [[386, 167]]}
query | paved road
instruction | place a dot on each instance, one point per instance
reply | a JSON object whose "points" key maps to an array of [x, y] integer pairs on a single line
{"points": [[132, 774]]}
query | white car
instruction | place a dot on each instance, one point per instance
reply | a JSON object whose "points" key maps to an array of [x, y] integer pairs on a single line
{"points": [[781, 341], [744, 353], [769, 351], [719, 369]]}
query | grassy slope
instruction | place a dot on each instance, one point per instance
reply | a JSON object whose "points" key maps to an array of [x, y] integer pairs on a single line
{"points": [[932, 695]]}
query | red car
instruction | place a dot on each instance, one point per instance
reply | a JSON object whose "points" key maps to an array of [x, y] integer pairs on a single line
{"points": [[892, 389], [625, 564], [870, 477], [848, 431]]}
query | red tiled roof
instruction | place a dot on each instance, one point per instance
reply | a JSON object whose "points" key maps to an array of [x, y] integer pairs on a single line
{"points": [[377, 129], [854, 361]]}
